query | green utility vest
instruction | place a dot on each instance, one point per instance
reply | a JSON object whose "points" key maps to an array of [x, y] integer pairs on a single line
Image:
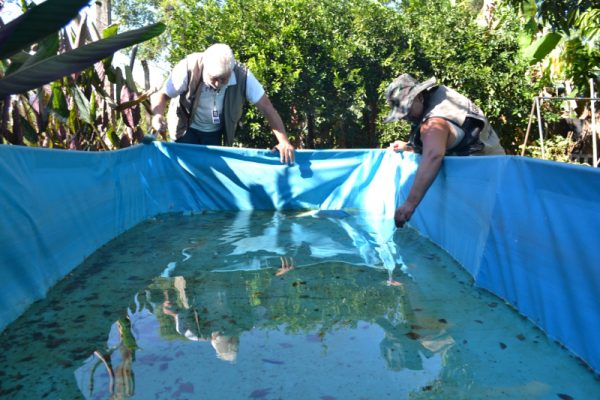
{"points": [[480, 138], [233, 105]]}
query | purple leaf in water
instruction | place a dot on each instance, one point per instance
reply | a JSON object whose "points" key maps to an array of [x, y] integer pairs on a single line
{"points": [[314, 338], [185, 387], [259, 393], [277, 362], [149, 359], [565, 396]]}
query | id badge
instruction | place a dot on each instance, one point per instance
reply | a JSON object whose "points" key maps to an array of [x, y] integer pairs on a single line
{"points": [[215, 117]]}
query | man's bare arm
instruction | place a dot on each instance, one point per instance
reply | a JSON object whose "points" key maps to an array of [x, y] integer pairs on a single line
{"points": [[434, 135], [286, 150]]}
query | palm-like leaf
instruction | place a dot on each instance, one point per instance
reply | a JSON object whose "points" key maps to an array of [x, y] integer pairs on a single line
{"points": [[50, 69], [37, 23], [542, 47]]}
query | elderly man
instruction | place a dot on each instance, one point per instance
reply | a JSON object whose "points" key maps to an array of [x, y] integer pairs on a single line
{"points": [[444, 122], [211, 88]]}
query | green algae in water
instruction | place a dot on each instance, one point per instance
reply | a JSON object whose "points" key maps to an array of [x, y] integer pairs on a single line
{"points": [[265, 305]]}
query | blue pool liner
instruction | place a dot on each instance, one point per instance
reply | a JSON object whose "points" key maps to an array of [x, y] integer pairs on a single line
{"points": [[525, 229]]}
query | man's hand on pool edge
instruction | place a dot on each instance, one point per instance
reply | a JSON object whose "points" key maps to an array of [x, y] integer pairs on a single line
{"points": [[287, 153]]}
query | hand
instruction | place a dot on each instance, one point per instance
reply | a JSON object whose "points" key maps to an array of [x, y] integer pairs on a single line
{"points": [[403, 214], [286, 266], [287, 153], [158, 123], [399, 145]]}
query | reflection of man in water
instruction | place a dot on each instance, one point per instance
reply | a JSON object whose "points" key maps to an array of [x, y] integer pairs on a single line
{"points": [[406, 343], [225, 346], [188, 322], [121, 377], [399, 349], [410, 337]]}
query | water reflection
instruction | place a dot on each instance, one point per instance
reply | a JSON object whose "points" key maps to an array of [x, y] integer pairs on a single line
{"points": [[225, 305], [252, 275], [186, 319], [118, 362], [218, 308], [142, 307], [311, 237]]}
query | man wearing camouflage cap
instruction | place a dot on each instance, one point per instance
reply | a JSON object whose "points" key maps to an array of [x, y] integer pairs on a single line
{"points": [[444, 122]]}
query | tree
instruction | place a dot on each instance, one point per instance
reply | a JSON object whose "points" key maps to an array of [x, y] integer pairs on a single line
{"points": [[305, 54], [479, 60], [326, 64], [133, 14], [571, 27]]}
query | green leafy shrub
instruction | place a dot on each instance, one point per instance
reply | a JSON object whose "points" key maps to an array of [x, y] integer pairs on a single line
{"points": [[325, 65]]}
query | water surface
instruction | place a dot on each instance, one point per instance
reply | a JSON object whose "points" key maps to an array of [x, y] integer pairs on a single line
{"points": [[263, 305]]}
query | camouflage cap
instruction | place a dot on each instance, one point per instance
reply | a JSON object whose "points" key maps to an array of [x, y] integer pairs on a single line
{"points": [[401, 93]]}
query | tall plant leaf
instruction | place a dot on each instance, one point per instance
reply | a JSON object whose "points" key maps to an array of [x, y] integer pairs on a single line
{"points": [[17, 61], [17, 131], [129, 81], [29, 133], [58, 103], [93, 106], [52, 68], [4, 107], [131, 116], [542, 47], [48, 47], [37, 23], [113, 137], [124, 105], [34, 110], [109, 31], [82, 103]]}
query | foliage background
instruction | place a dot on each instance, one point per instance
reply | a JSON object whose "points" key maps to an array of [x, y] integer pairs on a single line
{"points": [[58, 87], [325, 65]]}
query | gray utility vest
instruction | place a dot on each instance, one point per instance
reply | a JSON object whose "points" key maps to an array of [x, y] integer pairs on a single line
{"points": [[479, 139], [233, 105]]}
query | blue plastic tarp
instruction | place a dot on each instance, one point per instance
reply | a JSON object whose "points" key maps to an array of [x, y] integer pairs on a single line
{"points": [[523, 228]]}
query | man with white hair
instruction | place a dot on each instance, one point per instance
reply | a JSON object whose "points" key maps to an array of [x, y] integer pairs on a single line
{"points": [[211, 88]]}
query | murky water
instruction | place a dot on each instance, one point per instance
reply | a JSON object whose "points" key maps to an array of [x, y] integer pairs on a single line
{"points": [[270, 305]]}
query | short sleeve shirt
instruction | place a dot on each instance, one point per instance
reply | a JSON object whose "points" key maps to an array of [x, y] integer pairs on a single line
{"points": [[210, 100]]}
